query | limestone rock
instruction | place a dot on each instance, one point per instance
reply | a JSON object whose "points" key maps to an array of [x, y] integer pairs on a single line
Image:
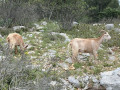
{"points": [[111, 79]]}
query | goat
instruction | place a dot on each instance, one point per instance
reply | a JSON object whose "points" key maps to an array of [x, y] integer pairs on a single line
{"points": [[14, 40], [88, 45]]}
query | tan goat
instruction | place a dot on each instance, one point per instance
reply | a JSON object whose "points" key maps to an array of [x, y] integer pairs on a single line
{"points": [[89, 45], [14, 40]]}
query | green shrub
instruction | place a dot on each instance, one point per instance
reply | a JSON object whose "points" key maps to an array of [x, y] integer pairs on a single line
{"points": [[5, 31]]}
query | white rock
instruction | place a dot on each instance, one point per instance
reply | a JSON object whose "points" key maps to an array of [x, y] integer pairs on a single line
{"points": [[64, 81], [24, 37], [109, 26], [74, 81], [117, 29], [52, 53], [112, 57], [0, 58], [31, 52], [32, 66], [33, 57], [40, 41], [43, 70], [29, 46], [53, 83], [18, 27], [38, 26], [86, 79], [32, 29], [1, 36], [110, 51], [95, 24], [1, 27], [111, 79], [64, 65], [83, 56], [44, 23], [66, 85], [29, 35], [69, 60], [75, 23], [94, 79], [64, 35], [41, 30], [86, 54]]}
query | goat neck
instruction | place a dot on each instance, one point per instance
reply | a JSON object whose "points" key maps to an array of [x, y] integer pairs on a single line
{"points": [[100, 39]]}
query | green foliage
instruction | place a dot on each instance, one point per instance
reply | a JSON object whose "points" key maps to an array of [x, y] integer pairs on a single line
{"points": [[98, 9], [110, 13], [62, 11], [78, 65], [69, 11], [114, 4]]}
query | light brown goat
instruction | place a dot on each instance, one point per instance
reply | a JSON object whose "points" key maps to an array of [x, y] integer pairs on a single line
{"points": [[89, 45], [14, 40]]}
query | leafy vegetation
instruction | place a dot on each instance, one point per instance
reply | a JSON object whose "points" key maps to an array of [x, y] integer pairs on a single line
{"points": [[62, 11]]}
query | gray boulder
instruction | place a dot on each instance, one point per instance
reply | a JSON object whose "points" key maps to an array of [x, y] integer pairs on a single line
{"points": [[117, 29], [18, 27], [62, 34], [75, 23], [109, 26], [44, 23], [111, 79], [69, 60], [74, 81], [37, 26]]}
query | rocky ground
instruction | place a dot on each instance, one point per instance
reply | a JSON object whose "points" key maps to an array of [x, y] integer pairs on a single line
{"points": [[48, 51]]}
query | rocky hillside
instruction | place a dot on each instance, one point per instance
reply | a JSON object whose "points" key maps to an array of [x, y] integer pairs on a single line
{"points": [[46, 61]]}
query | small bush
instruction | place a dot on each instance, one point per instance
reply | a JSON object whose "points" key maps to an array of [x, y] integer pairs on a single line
{"points": [[5, 31]]}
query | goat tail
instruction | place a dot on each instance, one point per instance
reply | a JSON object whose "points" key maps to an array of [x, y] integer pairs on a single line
{"points": [[68, 51]]}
